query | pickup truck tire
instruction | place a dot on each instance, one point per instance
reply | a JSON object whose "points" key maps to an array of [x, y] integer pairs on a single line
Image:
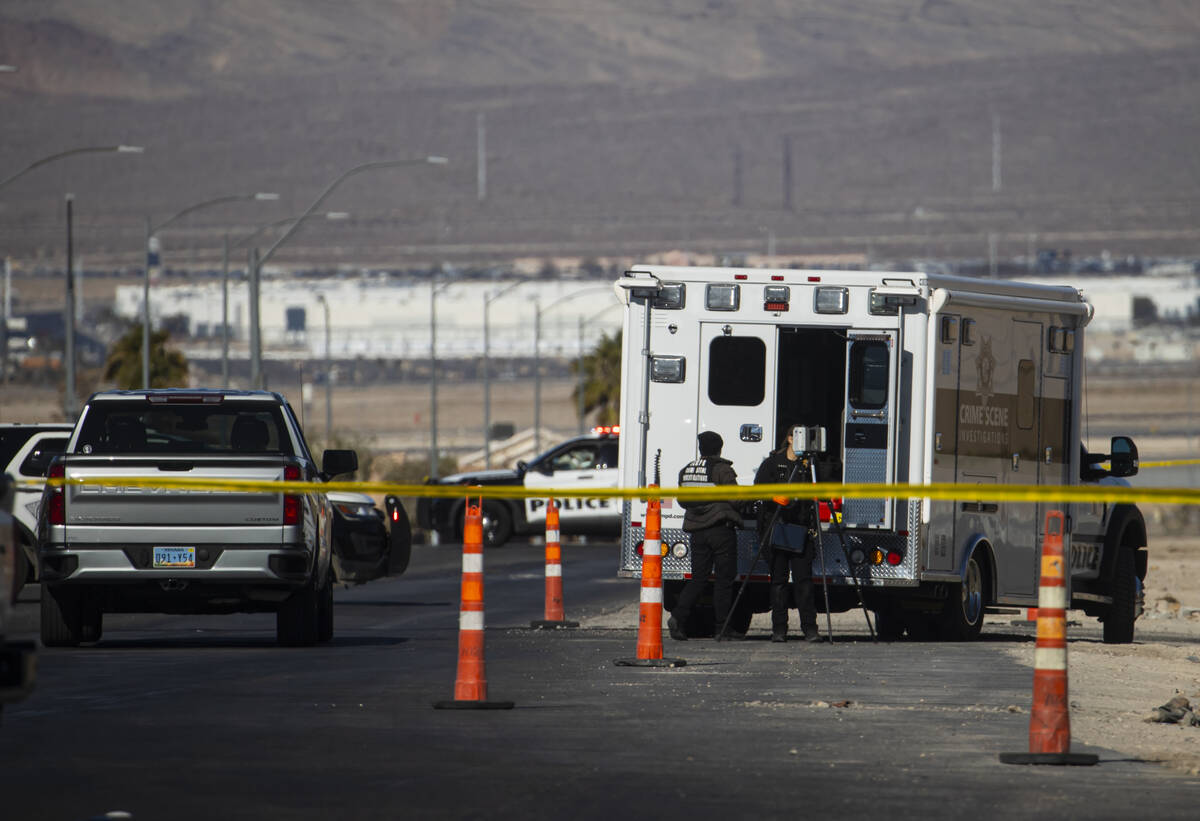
{"points": [[962, 617], [297, 620], [1118, 621], [325, 609], [62, 616]]}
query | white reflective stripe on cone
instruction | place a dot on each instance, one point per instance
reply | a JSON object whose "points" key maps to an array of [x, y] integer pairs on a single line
{"points": [[552, 535], [1050, 658], [652, 547], [472, 562], [470, 620], [1052, 597], [651, 595], [554, 570]]}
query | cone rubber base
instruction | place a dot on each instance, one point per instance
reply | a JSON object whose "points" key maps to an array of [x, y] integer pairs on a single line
{"points": [[1060, 759], [545, 624], [472, 705], [650, 662]]}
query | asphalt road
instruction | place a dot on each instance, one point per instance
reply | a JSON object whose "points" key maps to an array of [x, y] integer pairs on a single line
{"points": [[203, 718]]}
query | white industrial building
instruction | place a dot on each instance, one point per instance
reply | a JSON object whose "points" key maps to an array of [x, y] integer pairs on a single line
{"points": [[384, 317]]}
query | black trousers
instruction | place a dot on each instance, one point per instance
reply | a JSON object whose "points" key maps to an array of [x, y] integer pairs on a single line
{"points": [[801, 565], [714, 550]]}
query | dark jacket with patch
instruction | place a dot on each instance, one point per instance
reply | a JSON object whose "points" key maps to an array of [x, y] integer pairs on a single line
{"points": [[707, 472], [775, 470]]}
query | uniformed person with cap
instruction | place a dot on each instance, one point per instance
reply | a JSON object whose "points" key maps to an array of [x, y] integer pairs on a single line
{"points": [[712, 526]]}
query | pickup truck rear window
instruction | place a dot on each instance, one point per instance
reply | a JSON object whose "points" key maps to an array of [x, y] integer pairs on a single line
{"points": [[137, 426]]}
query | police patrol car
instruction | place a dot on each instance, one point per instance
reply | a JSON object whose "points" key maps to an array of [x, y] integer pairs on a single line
{"points": [[582, 462]]}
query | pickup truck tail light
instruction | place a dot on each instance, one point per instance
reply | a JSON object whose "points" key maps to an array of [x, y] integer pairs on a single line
{"points": [[56, 505], [291, 501]]}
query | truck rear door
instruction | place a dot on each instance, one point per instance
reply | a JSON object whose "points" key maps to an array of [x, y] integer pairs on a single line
{"points": [[737, 392], [869, 435]]}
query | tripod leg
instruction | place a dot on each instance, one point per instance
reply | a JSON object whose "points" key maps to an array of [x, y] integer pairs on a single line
{"points": [[746, 581], [853, 572]]}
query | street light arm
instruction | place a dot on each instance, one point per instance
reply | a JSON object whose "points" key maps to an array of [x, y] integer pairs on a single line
{"points": [[358, 169], [572, 295], [93, 149], [488, 300], [207, 203]]}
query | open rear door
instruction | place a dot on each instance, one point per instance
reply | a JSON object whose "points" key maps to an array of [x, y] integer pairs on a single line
{"points": [[870, 424]]}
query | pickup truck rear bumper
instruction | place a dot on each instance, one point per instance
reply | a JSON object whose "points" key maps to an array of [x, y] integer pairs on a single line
{"points": [[215, 564]]}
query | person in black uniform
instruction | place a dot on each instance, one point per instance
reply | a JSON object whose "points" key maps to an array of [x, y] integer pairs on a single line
{"points": [[713, 536], [794, 551]]}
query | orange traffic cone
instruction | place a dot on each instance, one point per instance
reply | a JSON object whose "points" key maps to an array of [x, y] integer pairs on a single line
{"points": [[554, 589], [1050, 717], [470, 684], [649, 644]]}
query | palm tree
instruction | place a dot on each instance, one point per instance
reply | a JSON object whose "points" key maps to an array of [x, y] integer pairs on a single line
{"points": [[168, 368], [601, 380]]}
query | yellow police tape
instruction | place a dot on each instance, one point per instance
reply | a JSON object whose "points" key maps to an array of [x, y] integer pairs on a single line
{"points": [[1170, 463], [823, 490]]}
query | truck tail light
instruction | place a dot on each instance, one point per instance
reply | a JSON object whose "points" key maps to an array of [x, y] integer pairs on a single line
{"points": [[824, 509], [57, 503], [291, 501]]}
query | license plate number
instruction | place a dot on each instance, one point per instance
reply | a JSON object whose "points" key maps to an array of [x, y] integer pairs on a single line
{"points": [[174, 557]]}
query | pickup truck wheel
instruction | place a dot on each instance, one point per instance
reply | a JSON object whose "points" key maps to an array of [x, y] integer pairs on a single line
{"points": [[62, 616], [1118, 621], [325, 609], [962, 618], [296, 621]]}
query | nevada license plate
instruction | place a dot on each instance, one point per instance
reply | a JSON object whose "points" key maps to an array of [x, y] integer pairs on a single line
{"points": [[174, 557]]}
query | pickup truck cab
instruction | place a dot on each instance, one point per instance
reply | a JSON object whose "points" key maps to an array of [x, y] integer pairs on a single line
{"points": [[116, 548]]}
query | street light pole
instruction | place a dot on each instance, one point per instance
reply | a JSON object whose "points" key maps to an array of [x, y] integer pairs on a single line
{"points": [[487, 368], [153, 258], [328, 374], [252, 263], [225, 311], [69, 319], [256, 353]]}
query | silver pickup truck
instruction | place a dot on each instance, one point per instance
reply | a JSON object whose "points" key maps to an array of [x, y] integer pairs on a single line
{"points": [[120, 549]]}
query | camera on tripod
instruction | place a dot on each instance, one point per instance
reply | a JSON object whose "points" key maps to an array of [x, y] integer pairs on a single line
{"points": [[808, 440]]}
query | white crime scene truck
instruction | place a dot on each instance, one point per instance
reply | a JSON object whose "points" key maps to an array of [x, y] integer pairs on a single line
{"points": [[915, 378]]}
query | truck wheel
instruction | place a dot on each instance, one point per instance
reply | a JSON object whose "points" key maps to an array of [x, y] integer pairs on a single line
{"points": [[296, 620], [962, 618], [62, 616], [889, 625], [1118, 621], [325, 609]]}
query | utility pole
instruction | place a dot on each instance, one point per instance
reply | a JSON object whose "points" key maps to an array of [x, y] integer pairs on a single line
{"points": [[737, 176], [996, 184], [480, 157], [787, 172]]}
